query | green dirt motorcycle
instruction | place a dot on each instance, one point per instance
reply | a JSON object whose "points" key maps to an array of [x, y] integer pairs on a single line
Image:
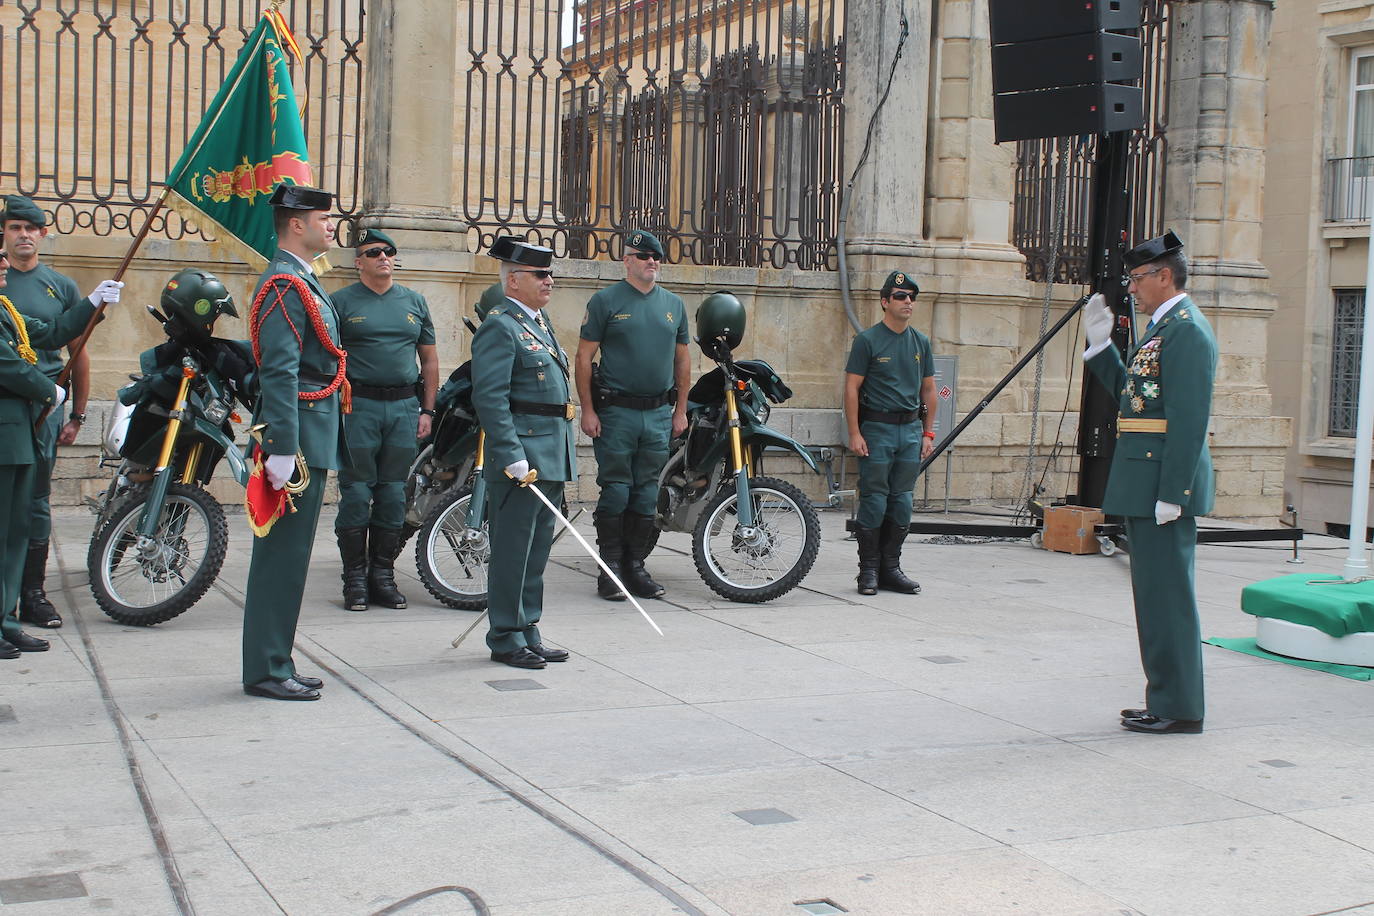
{"points": [[754, 538], [160, 538]]}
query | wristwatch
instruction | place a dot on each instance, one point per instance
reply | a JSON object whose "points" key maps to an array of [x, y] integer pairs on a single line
{"points": [[78, 417], [427, 411]]}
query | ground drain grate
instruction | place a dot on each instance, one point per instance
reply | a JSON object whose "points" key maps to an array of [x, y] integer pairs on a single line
{"points": [[825, 907], [944, 659], [1277, 764], [760, 816], [516, 683], [42, 887]]}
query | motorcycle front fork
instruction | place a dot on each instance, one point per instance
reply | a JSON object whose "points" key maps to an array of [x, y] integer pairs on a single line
{"points": [[741, 466], [477, 505], [162, 475]]}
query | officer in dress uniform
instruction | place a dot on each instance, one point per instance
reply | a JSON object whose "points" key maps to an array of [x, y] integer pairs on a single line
{"points": [[25, 391], [632, 407], [40, 292], [889, 404], [520, 390], [296, 342], [384, 327], [1161, 475]]}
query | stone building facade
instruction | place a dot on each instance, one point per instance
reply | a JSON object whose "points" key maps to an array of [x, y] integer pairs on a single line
{"points": [[935, 198]]}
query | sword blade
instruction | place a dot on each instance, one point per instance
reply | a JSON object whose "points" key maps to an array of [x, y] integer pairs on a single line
{"points": [[459, 641], [567, 526]]}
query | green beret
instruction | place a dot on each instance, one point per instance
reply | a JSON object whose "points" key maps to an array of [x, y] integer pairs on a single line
{"points": [[639, 240], [372, 237], [899, 279], [18, 206]]}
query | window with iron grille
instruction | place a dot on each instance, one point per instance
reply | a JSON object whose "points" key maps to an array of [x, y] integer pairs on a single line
{"points": [[1347, 329]]}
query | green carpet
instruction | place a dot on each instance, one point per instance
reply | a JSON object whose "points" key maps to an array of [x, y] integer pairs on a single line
{"points": [[1248, 647]]}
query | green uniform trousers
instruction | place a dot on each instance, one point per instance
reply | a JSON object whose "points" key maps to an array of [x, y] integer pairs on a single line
{"points": [[45, 459], [276, 585], [1166, 616], [630, 454], [17, 481], [381, 445], [888, 475], [521, 531]]}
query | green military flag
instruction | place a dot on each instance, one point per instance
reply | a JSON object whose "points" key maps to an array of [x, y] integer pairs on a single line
{"points": [[250, 140]]}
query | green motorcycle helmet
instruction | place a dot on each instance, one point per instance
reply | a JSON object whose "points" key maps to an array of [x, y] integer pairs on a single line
{"points": [[720, 324], [194, 299], [492, 296]]}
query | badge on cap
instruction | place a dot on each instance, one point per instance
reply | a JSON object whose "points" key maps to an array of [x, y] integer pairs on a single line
{"points": [[899, 280]]}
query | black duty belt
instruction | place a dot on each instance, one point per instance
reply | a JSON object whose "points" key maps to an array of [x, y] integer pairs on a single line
{"points": [[607, 398], [383, 392], [540, 409], [887, 416]]}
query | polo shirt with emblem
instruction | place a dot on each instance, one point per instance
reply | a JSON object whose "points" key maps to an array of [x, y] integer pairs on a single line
{"points": [[638, 333], [380, 333], [893, 366]]}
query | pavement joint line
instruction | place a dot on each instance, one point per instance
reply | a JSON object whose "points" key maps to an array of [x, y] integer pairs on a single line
{"points": [[491, 779], [170, 871]]}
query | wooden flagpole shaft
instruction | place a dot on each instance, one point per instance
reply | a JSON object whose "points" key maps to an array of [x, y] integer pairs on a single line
{"points": [[75, 348]]}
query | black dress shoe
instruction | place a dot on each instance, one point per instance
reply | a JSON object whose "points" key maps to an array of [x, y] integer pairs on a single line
{"points": [[549, 655], [281, 690], [1154, 725], [26, 643], [8, 649], [1134, 713], [520, 658], [306, 680]]}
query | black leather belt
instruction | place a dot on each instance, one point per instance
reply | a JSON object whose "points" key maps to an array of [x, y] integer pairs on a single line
{"points": [[605, 398], [383, 393], [540, 409], [886, 416]]}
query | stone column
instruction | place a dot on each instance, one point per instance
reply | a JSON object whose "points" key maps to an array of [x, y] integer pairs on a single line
{"points": [[887, 207], [1215, 185], [408, 182]]}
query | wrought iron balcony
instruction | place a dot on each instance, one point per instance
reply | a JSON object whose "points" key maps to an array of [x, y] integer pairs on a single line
{"points": [[1349, 189]]}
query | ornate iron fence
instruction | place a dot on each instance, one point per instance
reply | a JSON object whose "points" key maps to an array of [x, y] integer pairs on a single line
{"points": [[1037, 170], [715, 123], [98, 98]]}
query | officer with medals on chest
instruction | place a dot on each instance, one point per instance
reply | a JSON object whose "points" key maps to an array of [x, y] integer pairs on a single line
{"points": [[1161, 474], [301, 374], [25, 390], [384, 327], [521, 392], [632, 408], [889, 404]]}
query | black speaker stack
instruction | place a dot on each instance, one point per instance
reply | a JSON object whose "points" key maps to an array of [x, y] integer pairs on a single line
{"points": [[1065, 67]]}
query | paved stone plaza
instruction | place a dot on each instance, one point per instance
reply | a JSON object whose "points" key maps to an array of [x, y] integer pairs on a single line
{"points": [[953, 753]]}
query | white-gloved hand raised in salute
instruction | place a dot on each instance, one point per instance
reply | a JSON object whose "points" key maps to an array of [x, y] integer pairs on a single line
{"points": [[1097, 325]]}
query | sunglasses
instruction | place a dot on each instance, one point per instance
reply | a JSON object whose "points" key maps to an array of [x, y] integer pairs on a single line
{"points": [[378, 252], [647, 256], [538, 274], [900, 296]]}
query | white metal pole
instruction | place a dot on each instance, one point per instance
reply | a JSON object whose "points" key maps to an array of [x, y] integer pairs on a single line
{"points": [[1356, 561]]}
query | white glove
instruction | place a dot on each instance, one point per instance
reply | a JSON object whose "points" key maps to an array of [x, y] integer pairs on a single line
{"points": [[1166, 512], [59, 397], [520, 472], [1097, 322], [107, 292], [279, 469]]}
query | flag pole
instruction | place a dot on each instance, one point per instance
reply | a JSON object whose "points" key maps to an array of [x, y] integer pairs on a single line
{"points": [[74, 349]]}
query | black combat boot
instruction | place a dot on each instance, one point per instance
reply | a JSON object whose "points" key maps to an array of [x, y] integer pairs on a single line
{"points": [[641, 534], [383, 546], [34, 606], [353, 550], [868, 559], [610, 543], [890, 575]]}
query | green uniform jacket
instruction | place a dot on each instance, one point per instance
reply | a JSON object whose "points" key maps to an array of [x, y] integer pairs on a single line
{"points": [[24, 390], [313, 427], [1170, 378], [511, 360]]}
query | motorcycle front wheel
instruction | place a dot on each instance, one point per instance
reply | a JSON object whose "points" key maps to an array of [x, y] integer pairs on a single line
{"points": [[767, 561], [147, 582], [452, 561]]}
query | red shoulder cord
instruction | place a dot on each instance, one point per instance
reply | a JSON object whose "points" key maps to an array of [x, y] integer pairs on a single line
{"points": [[312, 309]]}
